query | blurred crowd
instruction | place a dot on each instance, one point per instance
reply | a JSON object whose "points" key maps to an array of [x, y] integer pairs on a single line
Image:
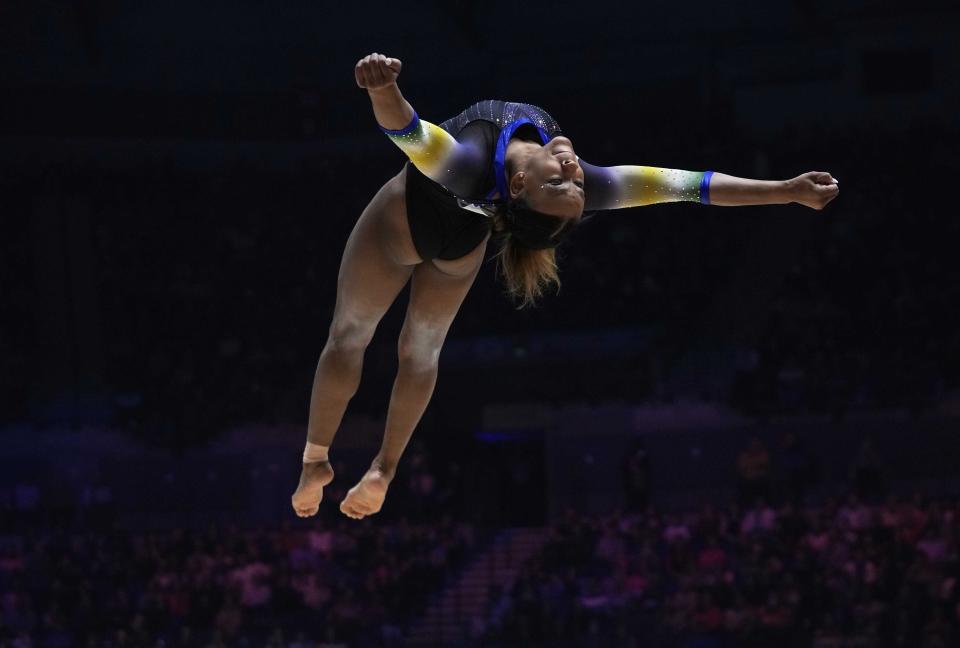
{"points": [[130, 559], [847, 573], [782, 559], [338, 584]]}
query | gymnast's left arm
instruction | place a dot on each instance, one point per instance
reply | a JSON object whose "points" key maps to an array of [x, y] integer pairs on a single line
{"points": [[633, 186], [434, 151]]}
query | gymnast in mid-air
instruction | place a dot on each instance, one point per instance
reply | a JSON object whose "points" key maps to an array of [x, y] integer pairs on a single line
{"points": [[500, 170]]}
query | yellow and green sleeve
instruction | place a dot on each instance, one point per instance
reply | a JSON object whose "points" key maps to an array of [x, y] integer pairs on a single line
{"points": [[430, 148], [635, 186]]}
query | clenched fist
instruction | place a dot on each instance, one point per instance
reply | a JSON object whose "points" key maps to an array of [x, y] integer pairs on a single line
{"points": [[813, 189], [376, 71]]}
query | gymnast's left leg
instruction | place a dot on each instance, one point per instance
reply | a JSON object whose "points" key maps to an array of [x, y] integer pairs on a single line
{"points": [[437, 290]]}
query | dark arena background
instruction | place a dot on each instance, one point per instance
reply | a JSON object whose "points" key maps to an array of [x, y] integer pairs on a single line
{"points": [[732, 426]]}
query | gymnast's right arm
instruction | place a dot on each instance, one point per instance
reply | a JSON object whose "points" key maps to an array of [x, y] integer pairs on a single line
{"points": [[434, 151]]}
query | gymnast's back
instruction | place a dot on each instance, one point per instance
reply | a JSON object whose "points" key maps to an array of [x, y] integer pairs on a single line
{"points": [[501, 113], [479, 127]]}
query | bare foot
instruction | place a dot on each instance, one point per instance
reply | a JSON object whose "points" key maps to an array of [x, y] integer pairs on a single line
{"points": [[367, 496], [306, 499]]}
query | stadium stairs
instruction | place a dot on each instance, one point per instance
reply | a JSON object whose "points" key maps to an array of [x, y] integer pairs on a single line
{"points": [[458, 614]]}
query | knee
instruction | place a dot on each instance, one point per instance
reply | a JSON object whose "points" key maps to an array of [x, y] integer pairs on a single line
{"points": [[419, 347], [349, 336]]}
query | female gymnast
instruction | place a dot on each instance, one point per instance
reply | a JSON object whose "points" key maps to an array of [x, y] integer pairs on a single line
{"points": [[497, 168]]}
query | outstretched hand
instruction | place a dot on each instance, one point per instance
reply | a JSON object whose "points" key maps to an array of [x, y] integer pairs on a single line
{"points": [[813, 189], [376, 71]]}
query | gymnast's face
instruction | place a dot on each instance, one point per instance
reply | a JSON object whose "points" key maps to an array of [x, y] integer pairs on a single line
{"points": [[550, 179]]}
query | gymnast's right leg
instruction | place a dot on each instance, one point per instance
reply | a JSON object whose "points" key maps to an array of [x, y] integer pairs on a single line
{"points": [[377, 262]]}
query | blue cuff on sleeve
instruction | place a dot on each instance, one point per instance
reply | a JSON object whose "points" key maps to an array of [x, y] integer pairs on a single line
{"points": [[705, 187], [406, 130]]}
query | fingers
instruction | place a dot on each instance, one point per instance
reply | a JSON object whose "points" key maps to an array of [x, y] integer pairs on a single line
{"points": [[376, 71], [830, 196], [826, 193], [370, 69], [815, 189], [360, 71], [358, 74], [822, 177], [395, 65]]}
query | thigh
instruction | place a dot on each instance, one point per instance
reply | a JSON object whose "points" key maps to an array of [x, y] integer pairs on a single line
{"points": [[436, 296], [377, 261]]}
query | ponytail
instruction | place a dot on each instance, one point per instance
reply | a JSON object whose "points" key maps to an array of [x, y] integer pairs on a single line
{"points": [[528, 272]]}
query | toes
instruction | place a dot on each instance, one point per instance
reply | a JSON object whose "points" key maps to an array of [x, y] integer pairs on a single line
{"points": [[305, 511], [351, 509], [305, 506], [359, 505]]}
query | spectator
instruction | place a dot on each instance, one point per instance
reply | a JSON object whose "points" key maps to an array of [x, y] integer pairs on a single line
{"points": [[636, 478], [867, 472], [753, 471], [799, 468]]}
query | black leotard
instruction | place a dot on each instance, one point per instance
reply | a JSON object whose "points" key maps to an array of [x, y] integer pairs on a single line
{"points": [[441, 228]]}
